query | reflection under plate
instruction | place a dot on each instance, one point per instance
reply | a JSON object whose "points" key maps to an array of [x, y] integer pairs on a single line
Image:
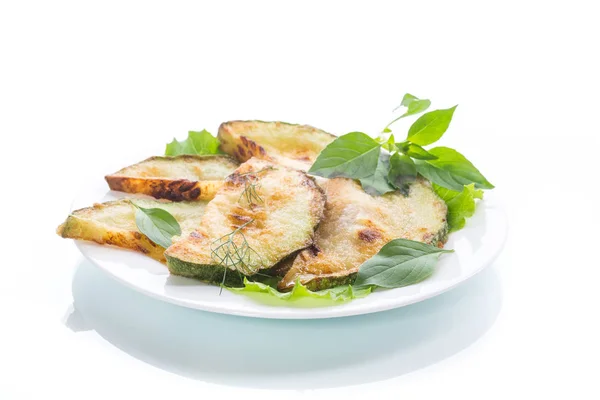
{"points": [[284, 354]]}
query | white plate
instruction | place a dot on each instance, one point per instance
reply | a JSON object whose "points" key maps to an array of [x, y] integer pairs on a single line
{"points": [[475, 247]]}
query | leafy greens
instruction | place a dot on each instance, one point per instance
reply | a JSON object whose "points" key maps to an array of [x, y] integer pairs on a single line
{"points": [[383, 166], [197, 143], [300, 294], [353, 155], [157, 224], [401, 262], [461, 205], [377, 182], [413, 106], [430, 127]]}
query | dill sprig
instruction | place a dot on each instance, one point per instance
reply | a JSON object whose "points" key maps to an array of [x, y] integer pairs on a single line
{"points": [[250, 192], [232, 251]]}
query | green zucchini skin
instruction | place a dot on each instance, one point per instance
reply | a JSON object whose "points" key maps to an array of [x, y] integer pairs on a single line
{"points": [[212, 274], [328, 282], [356, 226], [331, 281], [113, 223]]}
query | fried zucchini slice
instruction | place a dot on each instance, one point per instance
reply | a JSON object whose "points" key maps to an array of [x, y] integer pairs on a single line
{"points": [[113, 223], [295, 146], [356, 226], [263, 213], [178, 178]]}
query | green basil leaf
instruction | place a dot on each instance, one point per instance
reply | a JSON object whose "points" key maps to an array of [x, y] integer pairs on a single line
{"points": [[452, 170], [197, 143], [413, 106], [158, 224], [389, 145], [386, 141], [300, 295], [430, 127], [402, 172], [401, 262], [461, 205], [415, 151], [439, 176], [377, 183], [353, 155], [407, 100]]}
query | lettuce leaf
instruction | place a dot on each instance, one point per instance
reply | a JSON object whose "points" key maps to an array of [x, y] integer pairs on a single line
{"points": [[197, 143], [461, 205], [300, 296]]}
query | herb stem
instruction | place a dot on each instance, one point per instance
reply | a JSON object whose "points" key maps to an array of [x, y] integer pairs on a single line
{"points": [[232, 255]]}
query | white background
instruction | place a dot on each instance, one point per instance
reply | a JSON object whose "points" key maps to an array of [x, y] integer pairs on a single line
{"points": [[86, 88]]}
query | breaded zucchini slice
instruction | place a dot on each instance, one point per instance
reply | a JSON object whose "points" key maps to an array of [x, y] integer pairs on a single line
{"points": [[263, 213], [295, 146], [356, 226], [178, 178], [113, 223]]}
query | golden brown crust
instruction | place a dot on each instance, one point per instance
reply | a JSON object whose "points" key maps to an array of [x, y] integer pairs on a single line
{"points": [[280, 223], [174, 190], [291, 145], [113, 223], [356, 226], [158, 177], [79, 226]]}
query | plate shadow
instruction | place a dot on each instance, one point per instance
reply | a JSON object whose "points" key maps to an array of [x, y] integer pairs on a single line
{"points": [[283, 354]]}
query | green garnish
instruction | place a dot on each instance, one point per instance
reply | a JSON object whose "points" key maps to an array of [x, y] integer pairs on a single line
{"points": [[452, 170], [430, 127], [461, 205], [197, 143], [300, 295], [382, 165], [402, 172], [401, 262], [250, 192], [377, 182], [413, 106], [232, 251], [157, 224], [353, 155], [414, 150]]}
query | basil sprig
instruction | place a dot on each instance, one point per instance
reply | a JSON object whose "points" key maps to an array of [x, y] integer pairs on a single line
{"points": [[452, 170], [430, 127], [353, 155], [413, 106], [197, 143], [377, 182], [402, 172], [358, 156], [401, 262], [415, 151], [158, 224]]}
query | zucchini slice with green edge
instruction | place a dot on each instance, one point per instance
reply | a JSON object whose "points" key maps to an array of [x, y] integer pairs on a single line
{"points": [[356, 226], [263, 213], [113, 223]]}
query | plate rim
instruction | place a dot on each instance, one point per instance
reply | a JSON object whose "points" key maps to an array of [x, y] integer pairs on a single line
{"points": [[492, 202]]}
